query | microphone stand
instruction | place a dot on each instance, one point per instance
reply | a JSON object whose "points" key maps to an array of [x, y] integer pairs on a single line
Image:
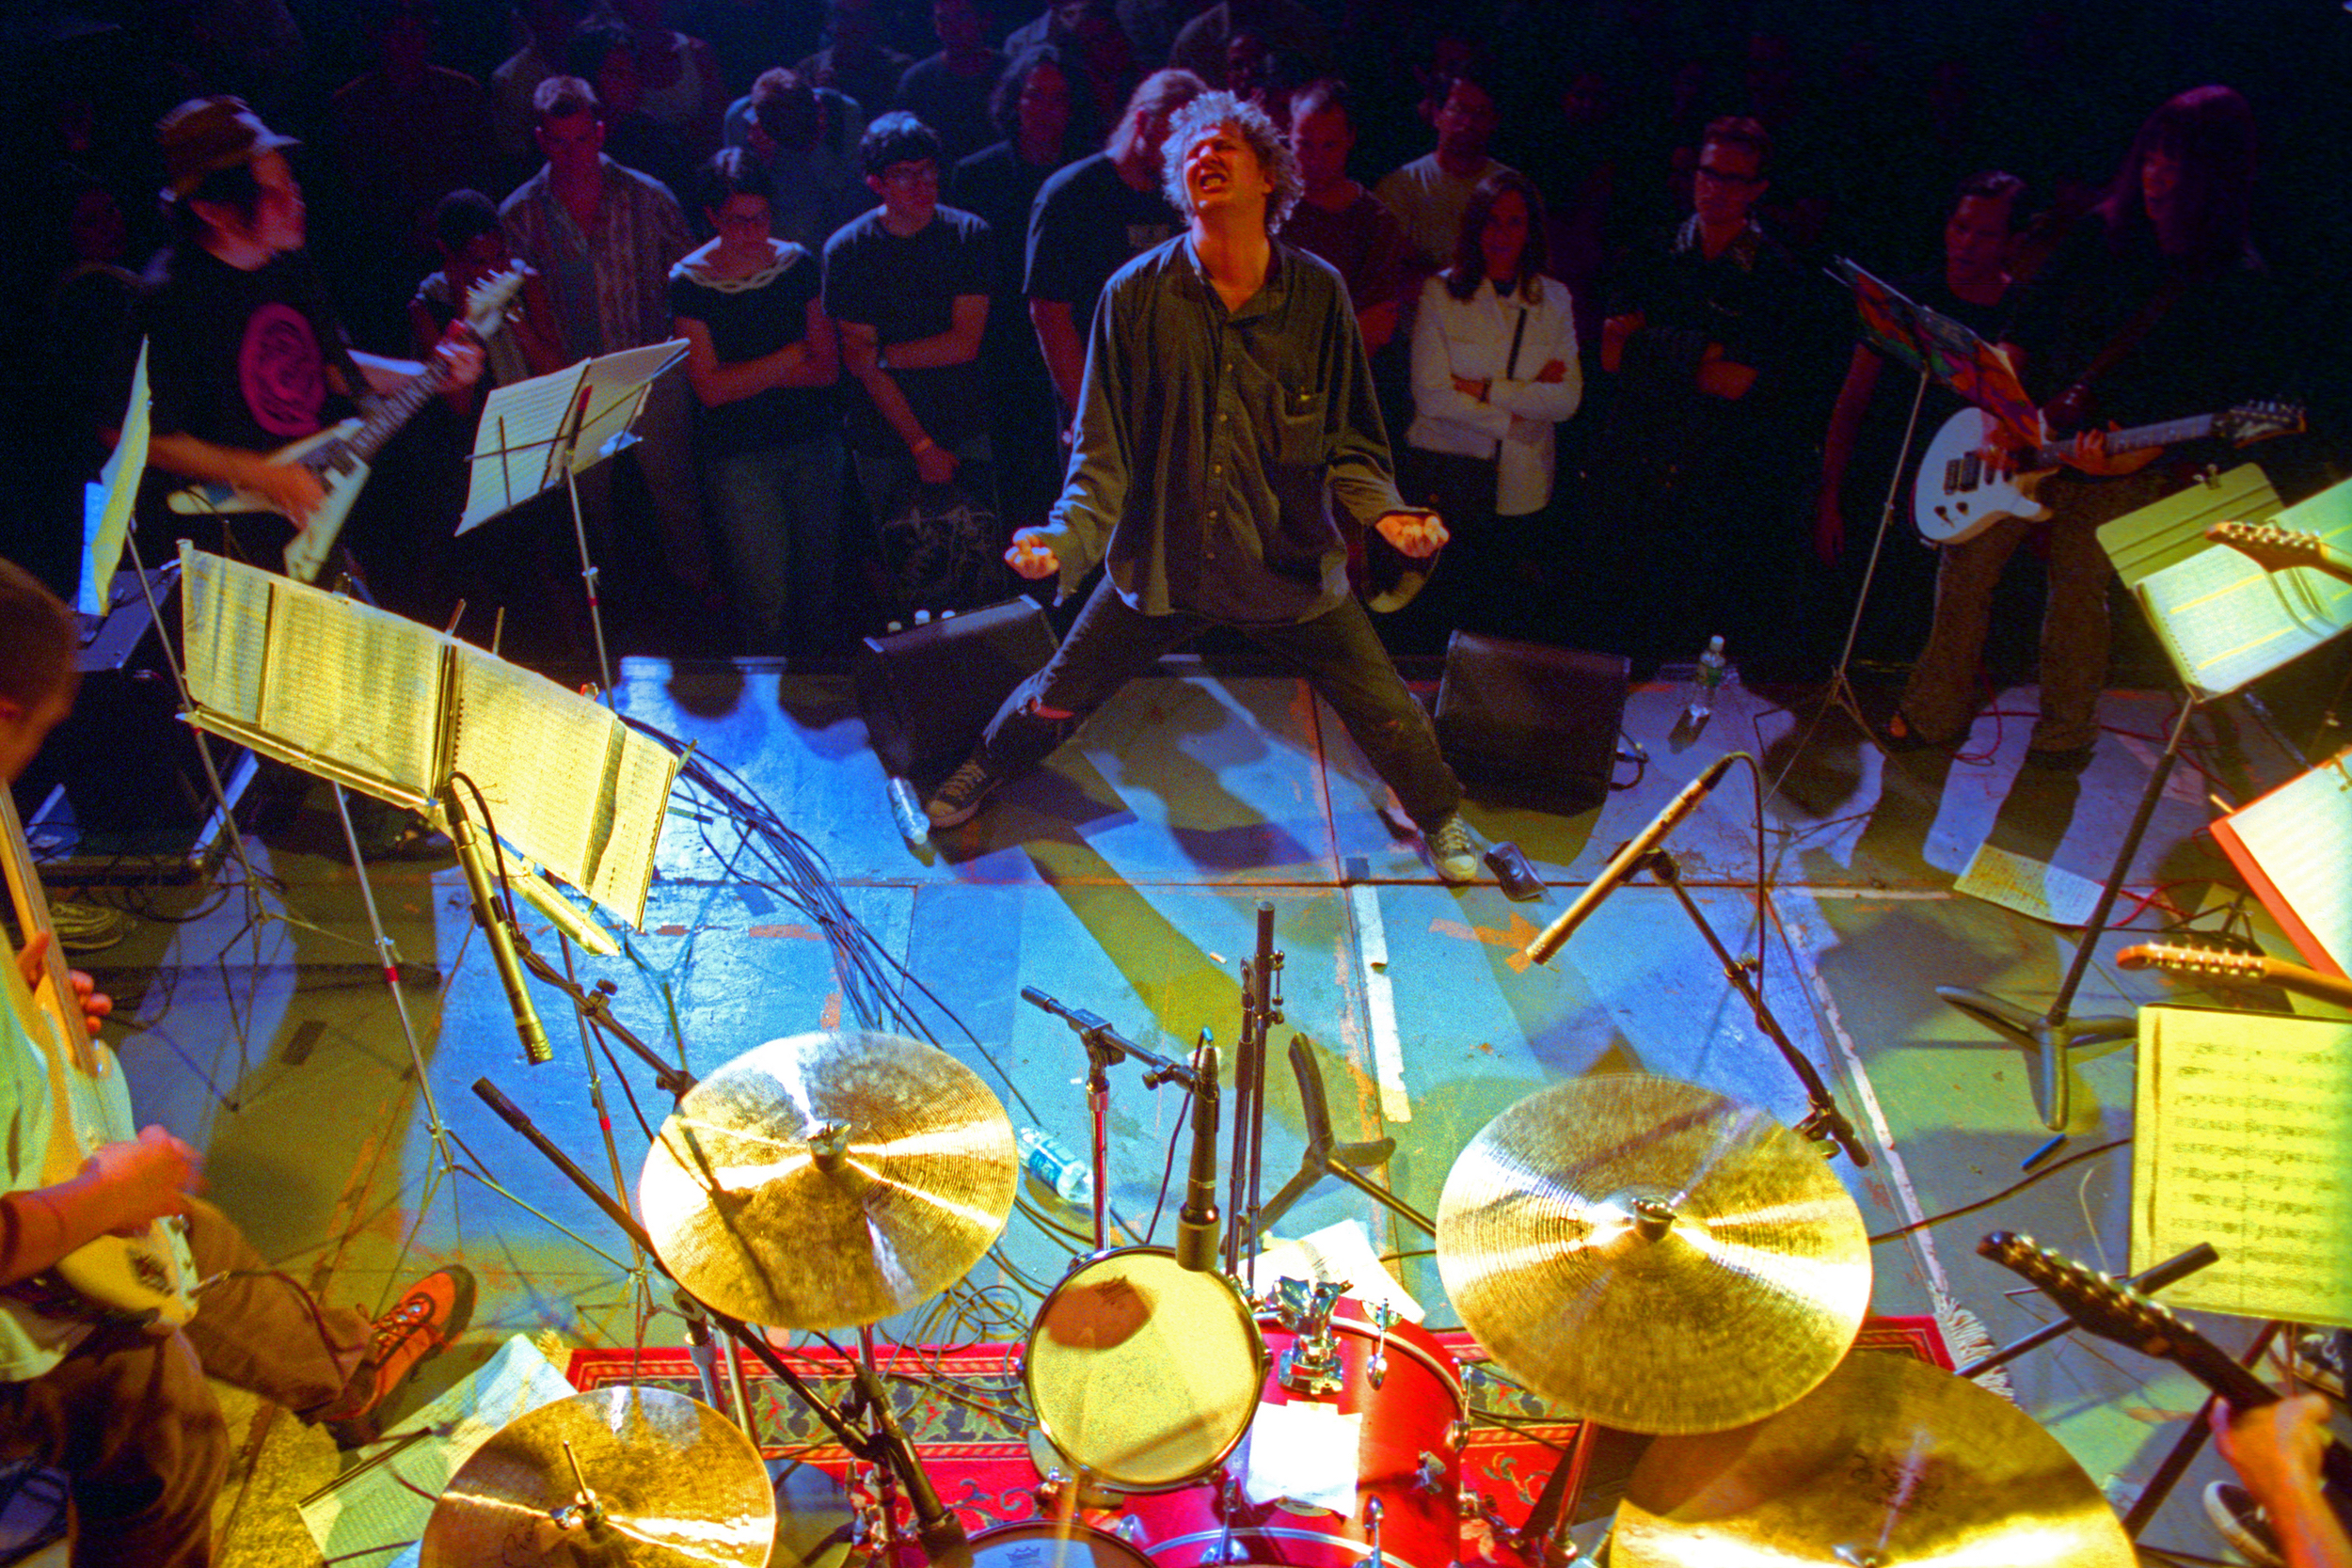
{"points": [[1105, 1049], [936, 1526], [1825, 1121]]}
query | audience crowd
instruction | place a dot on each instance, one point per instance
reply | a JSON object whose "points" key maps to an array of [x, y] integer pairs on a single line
{"points": [[1590, 248]]}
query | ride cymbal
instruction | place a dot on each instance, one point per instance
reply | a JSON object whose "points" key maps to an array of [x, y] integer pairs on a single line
{"points": [[1654, 1255], [1888, 1461], [668, 1482], [829, 1180]]}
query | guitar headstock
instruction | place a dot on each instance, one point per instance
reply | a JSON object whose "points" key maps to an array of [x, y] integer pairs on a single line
{"points": [[2194, 960], [2098, 1304], [486, 301], [2275, 548], [2249, 422]]}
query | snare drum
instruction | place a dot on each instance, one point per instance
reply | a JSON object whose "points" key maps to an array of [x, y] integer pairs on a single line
{"points": [[1143, 1373], [1408, 1468], [1044, 1543]]}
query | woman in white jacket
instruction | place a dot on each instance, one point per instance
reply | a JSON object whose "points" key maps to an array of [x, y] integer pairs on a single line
{"points": [[1494, 369]]}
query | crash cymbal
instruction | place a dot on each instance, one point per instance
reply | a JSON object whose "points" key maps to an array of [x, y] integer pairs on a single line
{"points": [[669, 1483], [829, 1180], [1889, 1460], [1652, 1255]]}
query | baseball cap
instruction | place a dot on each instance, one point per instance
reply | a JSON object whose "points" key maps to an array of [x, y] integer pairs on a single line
{"points": [[207, 134]]}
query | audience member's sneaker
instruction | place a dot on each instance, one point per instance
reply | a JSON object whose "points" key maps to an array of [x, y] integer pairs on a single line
{"points": [[87, 927], [2321, 1358], [428, 1316], [1450, 850], [955, 801], [2232, 1511]]}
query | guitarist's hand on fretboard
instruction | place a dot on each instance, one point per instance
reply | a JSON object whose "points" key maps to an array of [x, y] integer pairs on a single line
{"points": [[32, 962], [463, 351], [2088, 453]]}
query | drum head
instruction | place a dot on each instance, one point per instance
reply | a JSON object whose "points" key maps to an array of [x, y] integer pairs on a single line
{"points": [[1043, 1543], [1144, 1372]]}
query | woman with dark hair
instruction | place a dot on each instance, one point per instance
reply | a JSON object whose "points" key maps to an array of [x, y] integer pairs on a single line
{"points": [[1047, 119], [760, 352], [2154, 308], [1494, 369]]}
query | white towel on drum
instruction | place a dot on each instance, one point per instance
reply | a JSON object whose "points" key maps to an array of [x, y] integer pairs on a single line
{"points": [[1304, 1454]]}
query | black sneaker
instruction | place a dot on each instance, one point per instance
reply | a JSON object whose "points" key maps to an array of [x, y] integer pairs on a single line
{"points": [[2321, 1359], [2233, 1513], [955, 802]]}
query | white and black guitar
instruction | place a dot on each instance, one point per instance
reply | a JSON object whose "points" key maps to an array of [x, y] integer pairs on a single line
{"points": [[340, 454], [1967, 482], [150, 1279]]}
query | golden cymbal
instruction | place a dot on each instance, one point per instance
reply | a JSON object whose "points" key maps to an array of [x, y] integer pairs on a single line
{"points": [[1888, 1461], [828, 1178], [1653, 1254], [668, 1482]]}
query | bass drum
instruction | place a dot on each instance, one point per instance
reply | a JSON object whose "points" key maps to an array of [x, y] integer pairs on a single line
{"points": [[1143, 1374], [1408, 1468], [1043, 1543]]}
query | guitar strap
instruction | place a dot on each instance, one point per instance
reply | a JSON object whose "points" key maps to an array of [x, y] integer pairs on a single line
{"points": [[2126, 338], [1511, 366]]}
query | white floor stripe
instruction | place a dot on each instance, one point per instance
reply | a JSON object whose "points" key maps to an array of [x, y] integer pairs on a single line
{"points": [[1388, 1050]]}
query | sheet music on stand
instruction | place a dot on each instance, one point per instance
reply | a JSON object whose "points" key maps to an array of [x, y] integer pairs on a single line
{"points": [[2225, 620], [391, 708], [2242, 1124], [106, 502], [2293, 847], [526, 435], [1951, 352]]}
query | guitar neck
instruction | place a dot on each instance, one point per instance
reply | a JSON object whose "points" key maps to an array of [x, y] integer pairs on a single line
{"points": [[2137, 438], [32, 914], [2240, 966], [398, 409]]}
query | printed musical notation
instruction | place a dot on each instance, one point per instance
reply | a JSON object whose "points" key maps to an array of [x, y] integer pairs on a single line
{"points": [[2245, 1140]]}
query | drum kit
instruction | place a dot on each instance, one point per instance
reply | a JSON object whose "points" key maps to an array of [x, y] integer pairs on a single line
{"points": [[1651, 1256]]}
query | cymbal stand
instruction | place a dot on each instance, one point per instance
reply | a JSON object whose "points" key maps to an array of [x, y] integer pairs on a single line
{"points": [[1824, 1120], [1105, 1049], [1328, 1156], [1261, 1009], [936, 1526]]}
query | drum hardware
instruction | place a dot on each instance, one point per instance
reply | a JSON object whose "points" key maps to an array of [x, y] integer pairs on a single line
{"points": [[1382, 1314], [1105, 1049], [1430, 1474], [1372, 1527], [1327, 1156], [1262, 1008], [1312, 1365]]}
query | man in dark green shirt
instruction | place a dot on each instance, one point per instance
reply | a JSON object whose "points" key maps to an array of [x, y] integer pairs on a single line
{"points": [[1226, 409]]}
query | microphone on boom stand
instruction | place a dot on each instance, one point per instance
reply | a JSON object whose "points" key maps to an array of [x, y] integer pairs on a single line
{"points": [[1196, 1222], [1628, 860], [493, 923]]}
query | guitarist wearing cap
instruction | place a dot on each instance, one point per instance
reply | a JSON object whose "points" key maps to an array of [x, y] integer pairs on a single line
{"points": [[245, 353], [2154, 306], [122, 1405]]}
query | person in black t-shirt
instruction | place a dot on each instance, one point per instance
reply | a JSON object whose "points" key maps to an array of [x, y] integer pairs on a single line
{"points": [[1091, 218], [908, 284], [1972, 288], [245, 353], [761, 358]]}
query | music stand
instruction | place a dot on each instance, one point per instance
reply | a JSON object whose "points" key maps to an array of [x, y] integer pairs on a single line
{"points": [[2224, 623], [1954, 357], [537, 434]]}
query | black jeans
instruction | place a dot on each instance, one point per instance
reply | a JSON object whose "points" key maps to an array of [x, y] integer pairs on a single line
{"points": [[1337, 651]]}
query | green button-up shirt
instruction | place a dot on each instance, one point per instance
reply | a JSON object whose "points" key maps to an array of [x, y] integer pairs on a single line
{"points": [[1212, 445]]}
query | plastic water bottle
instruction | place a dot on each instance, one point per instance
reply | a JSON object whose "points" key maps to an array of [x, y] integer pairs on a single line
{"points": [[1707, 680], [906, 805], [1049, 1160]]}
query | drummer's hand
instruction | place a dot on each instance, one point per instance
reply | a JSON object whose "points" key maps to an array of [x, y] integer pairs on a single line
{"points": [[1031, 556]]}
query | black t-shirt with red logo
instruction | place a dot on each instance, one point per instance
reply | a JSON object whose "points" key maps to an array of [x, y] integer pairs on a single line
{"points": [[239, 358]]}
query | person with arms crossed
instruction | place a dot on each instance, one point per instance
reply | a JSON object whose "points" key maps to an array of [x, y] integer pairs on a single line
{"points": [[1225, 413]]}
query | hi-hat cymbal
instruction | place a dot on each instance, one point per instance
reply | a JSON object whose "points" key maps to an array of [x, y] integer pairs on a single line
{"points": [[669, 1483], [828, 1178], [1888, 1461], [1652, 1255]]}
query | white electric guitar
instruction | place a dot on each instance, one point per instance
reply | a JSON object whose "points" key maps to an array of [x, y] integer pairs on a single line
{"points": [[340, 454], [1967, 483], [148, 1278]]}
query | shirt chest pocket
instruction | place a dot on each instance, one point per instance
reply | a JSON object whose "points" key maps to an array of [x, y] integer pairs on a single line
{"points": [[1298, 426]]}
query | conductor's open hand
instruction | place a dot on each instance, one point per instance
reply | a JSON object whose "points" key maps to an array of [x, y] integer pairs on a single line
{"points": [[1031, 556], [1419, 534]]}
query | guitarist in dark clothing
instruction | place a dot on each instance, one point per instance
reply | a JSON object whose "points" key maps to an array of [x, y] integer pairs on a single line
{"points": [[2155, 306], [244, 355]]}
